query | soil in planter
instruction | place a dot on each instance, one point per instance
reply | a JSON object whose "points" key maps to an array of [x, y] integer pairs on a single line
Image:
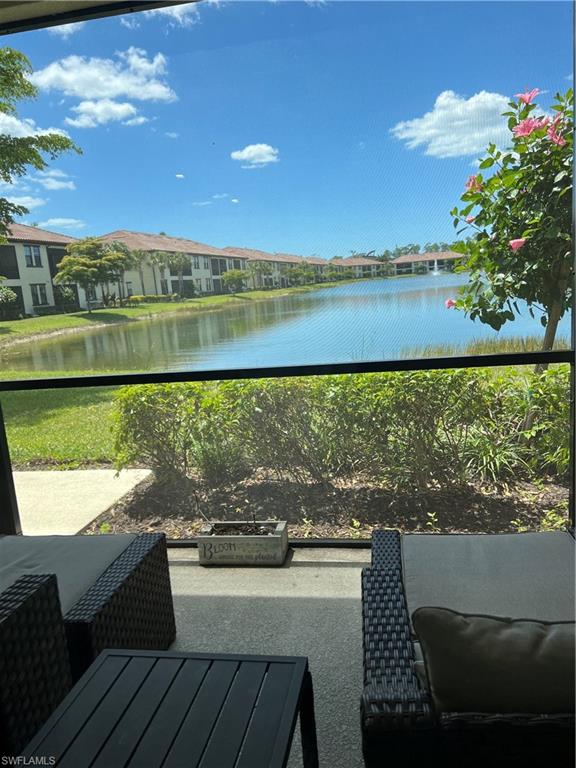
{"points": [[246, 529]]}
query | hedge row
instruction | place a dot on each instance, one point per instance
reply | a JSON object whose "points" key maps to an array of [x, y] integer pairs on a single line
{"points": [[405, 430]]}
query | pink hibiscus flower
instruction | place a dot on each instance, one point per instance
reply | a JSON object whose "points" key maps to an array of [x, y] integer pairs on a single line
{"points": [[529, 96], [449, 303], [553, 135], [470, 219], [473, 184], [529, 125], [518, 243]]}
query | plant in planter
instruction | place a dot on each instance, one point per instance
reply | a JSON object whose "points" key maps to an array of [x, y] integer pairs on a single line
{"points": [[242, 542]]}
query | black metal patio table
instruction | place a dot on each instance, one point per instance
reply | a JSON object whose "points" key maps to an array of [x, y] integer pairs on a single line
{"points": [[146, 709]]}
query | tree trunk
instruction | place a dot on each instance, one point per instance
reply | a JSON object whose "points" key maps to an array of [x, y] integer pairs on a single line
{"points": [[554, 316], [181, 283]]}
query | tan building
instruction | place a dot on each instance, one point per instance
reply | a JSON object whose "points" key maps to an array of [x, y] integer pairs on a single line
{"points": [[359, 265], [205, 267], [29, 262], [432, 262]]}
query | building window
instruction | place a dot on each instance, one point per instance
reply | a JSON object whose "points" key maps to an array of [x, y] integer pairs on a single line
{"points": [[32, 256], [206, 262], [39, 297], [196, 262], [91, 293], [237, 264], [208, 283], [129, 291]]}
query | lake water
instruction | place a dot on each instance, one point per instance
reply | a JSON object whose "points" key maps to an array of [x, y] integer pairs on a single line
{"points": [[362, 321]]}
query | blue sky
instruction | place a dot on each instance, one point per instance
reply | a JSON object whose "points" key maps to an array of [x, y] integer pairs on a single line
{"points": [[311, 128]]}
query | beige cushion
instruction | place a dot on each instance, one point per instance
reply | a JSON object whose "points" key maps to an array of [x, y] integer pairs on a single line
{"points": [[505, 574], [492, 664]]}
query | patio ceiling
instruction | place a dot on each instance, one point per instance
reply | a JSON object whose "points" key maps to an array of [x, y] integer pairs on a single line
{"points": [[22, 15]]}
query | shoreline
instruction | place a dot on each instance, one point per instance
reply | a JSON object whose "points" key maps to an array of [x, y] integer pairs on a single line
{"points": [[233, 299]]}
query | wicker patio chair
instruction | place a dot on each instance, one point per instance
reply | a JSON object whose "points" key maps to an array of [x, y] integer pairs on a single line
{"points": [[398, 720], [129, 606], [34, 665], [114, 590]]}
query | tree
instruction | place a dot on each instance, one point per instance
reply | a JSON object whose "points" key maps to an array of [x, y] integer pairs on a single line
{"points": [[160, 259], [8, 301], [90, 263], [257, 270], [234, 279], [521, 217], [178, 263], [18, 153]]}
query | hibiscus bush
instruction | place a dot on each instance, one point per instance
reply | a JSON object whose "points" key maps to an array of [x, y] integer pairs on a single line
{"points": [[519, 220]]}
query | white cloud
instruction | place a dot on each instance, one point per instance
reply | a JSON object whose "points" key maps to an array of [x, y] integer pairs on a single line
{"points": [[202, 203], [54, 184], [28, 201], [220, 196], [139, 120], [179, 175], [20, 127], [457, 126], [178, 15], [63, 223], [234, 200], [93, 113], [132, 75], [171, 134], [67, 30], [130, 22], [256, 155]]}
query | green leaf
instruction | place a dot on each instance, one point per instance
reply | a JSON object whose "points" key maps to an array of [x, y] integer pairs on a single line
{"points": [[488, 163]]}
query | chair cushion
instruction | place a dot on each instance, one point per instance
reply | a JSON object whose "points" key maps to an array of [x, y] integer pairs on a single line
{"points": [[492, 664], [516, 575], [77, 561]]}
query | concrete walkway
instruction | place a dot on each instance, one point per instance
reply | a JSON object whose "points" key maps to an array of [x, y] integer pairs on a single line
{"points": [[53, 502]]}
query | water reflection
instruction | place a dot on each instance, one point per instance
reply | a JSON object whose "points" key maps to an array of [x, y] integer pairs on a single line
{"points": [[371, 320]]}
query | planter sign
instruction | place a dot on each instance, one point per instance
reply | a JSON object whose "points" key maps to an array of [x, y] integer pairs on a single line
{"points": [[235, 543]]}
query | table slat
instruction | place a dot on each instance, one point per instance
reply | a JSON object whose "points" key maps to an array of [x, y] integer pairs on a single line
{"points": [[131, 726], [230, 728], [79, 710], [263, 728], [189, 745], [166, 723], [93, 735]]}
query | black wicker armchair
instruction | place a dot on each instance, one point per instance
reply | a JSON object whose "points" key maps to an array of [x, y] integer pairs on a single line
{"points": [[398, 717], [129, 606], [34, 665]]}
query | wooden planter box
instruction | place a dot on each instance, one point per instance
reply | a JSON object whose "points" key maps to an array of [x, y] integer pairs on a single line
{"points": [[239, 549]]}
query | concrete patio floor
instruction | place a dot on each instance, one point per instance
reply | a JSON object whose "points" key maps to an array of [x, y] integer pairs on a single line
{"points": [[310, 607]]}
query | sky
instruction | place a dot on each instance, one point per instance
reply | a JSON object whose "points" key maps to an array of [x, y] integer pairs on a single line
{"points": [[315, 128]]}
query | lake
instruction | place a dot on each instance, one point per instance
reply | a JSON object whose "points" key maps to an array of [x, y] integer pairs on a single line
{"points": [[361, 321]]}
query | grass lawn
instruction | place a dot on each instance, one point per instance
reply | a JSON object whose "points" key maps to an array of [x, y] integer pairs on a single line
{"points": [[11, 330], [65, 428]]}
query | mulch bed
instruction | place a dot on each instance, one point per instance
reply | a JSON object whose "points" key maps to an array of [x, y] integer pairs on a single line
{"points": [[336, 510]]}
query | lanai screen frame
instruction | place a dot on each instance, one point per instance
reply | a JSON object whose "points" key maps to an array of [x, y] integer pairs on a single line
{"points": [[9, 515]]}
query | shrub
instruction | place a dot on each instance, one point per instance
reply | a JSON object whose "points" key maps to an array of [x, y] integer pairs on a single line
{"points": [[409, 431]]}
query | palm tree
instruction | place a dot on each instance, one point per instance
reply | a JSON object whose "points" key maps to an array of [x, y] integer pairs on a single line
{"points": [[161, 260], [257, 270], [178, 262]]}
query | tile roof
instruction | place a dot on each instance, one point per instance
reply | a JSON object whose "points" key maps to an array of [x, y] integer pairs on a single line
{"points": [[354, 261], [26, 234], [252, 254], [411, 258], [144, 241]]}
